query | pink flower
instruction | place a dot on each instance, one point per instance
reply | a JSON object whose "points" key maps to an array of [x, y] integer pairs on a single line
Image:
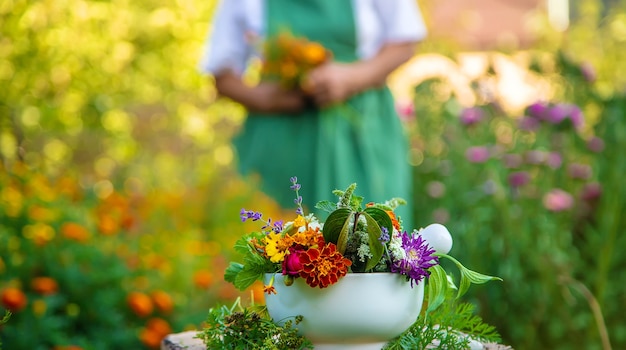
{"points": [[512, 161], [477, 154], [554, 160], [591, 192], [518, 179], [471, 116], [595, 144], [579, 171], [292, 265], [558, 200], [406, 111]]}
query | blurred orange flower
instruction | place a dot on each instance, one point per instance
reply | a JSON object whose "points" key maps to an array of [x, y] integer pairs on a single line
{"points": [[203, 279], [140, 303], [44, 285], [156, 329], [75, 232], [163, 301], [13, 299]]}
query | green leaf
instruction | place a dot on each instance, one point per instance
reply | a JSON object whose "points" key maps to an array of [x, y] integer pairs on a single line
{"points": [[327, 206], [437, 287], [233, 269], [335, 223], [468, 276], [373, 232]]}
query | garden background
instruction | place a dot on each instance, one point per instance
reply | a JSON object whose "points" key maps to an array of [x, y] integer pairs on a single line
{"points": [[119, 202]]}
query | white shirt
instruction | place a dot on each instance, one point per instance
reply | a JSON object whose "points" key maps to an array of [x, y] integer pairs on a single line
{"points": [[236, 22]]}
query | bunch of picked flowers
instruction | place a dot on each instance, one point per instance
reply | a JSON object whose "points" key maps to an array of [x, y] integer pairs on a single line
{"points": [[353, 239], [289, 59]]}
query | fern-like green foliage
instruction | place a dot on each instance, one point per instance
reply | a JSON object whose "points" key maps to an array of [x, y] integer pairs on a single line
{"points": [[451, 326], [5, 319], [250, 328]]}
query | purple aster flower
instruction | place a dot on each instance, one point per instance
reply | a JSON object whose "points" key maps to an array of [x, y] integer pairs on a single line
{"points": [[558, 200], [418, 258], [471, 116], [477, 154]]}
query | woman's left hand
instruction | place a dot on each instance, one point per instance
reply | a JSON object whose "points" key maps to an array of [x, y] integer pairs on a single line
{"points": [[331, 83]]}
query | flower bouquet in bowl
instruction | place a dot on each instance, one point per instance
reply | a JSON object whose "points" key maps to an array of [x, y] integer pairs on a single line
{"points": [[356, 280]]}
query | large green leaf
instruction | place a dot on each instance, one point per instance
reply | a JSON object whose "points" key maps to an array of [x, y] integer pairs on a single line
{"points": [[468, 276], [336, 225], [373, 232], [437, 287]]}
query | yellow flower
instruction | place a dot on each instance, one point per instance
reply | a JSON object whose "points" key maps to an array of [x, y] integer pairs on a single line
{"points": [[299, 221], [276, 246]]}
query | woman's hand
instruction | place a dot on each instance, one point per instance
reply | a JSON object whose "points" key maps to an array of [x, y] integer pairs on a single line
{"points": [[336, 82], [331, 83], [269, 97], [266, 97]]}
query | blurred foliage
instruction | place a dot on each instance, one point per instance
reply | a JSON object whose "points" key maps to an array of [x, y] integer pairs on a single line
{"points": [[114, 150], [494, 179]]}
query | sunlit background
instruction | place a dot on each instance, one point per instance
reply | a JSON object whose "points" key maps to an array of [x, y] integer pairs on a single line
{"points": [[119, 199]]}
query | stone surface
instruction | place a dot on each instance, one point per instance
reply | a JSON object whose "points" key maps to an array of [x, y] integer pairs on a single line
{"points": [[188, 341]]}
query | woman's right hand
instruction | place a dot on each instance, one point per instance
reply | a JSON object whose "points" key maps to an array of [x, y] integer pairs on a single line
{"points": [[269, 97], [266, 97]]}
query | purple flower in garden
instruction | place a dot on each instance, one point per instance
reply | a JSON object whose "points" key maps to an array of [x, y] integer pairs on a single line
{"points": [[558, 200], [557, 113], [576, 116], [554, 160], [537, 110], [477, 154], [595, 144], [591, 192], [418, 258], [579, 171], [518, 178], [527, 123], [471, 116]]}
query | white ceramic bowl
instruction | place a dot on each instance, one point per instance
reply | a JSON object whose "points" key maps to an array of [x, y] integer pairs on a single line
{"points": [[361, 311]]}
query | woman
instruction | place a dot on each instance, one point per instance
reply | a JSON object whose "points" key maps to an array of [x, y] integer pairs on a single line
{"points": [[325, 147]]}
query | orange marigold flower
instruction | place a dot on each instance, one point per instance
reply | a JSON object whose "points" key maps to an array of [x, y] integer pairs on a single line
{"points": [[163, 301], [323, 267], [13, 299], [269, 290], [44, 285], [140, 303], [159, 325], [74, 231], [394, 219], [107, 225], [151, 338], [203, 279]]}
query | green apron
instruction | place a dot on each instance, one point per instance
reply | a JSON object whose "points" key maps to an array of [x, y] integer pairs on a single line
{"points": [[327, 149]]}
